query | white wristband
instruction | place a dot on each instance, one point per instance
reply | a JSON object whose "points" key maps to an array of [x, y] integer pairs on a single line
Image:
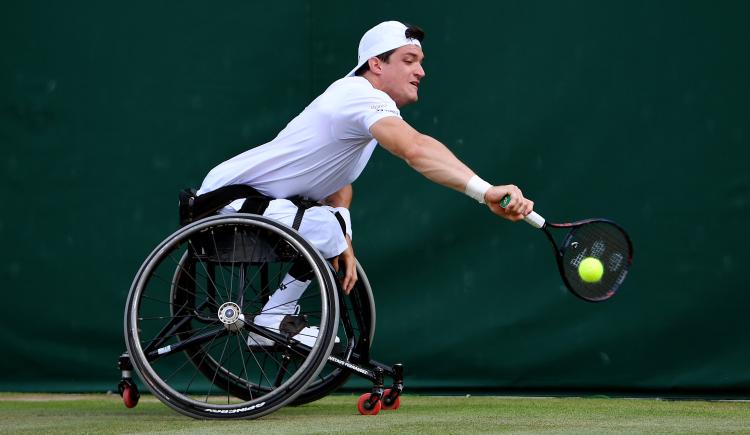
{"points": [[476, 188]]}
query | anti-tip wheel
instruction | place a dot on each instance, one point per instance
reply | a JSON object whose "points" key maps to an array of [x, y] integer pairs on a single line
{"points": [[365, 407], [389, 403]]}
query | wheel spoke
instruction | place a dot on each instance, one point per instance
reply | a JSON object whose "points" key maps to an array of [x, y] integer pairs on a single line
{"points": [[188, 352]]}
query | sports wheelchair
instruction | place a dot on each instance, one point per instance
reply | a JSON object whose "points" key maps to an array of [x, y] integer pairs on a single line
{"points": [[189, 318]]}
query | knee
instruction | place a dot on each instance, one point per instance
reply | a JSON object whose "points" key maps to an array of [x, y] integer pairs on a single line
{"points": [[301, 270]]}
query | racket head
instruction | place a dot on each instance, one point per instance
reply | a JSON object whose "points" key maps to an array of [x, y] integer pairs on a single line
{"points": [[602, 239]]}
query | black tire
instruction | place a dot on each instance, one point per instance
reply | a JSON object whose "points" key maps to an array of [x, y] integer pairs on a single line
{"points": [[200, 364]]}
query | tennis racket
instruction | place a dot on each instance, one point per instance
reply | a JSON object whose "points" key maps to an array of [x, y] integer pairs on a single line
{"points": [[602, 239]]}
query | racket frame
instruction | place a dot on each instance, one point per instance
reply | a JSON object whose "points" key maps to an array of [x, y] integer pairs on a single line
{"points": [[559, 253]]}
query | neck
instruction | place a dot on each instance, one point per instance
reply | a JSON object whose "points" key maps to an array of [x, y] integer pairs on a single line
{"points": [[373, 79], [377, 84]]}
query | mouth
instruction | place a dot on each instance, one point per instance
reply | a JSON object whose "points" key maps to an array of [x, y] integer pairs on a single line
{"points": [[415, 84]]}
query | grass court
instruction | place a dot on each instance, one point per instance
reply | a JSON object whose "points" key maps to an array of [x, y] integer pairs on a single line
{"points": [[62, 413]]}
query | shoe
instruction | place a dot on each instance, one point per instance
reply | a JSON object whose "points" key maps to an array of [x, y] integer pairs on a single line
{"points": [[290, 325]]}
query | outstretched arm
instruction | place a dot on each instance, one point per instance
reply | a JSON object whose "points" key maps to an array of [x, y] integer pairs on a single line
{"points": [[435, 161]]}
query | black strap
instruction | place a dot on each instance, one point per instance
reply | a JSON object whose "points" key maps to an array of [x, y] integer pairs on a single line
{"points": [[194, 207], [298, 218], [341, 220], [255, 205], [302, 205]]}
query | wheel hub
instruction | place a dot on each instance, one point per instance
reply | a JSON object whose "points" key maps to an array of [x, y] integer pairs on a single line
{"points": [[231, 316]]}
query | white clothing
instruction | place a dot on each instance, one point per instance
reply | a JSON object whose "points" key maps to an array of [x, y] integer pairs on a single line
{"points": [[319, 152], [319, 225]]}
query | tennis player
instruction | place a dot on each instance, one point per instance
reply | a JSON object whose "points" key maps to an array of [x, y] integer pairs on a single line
{"points": [[324, 149]]}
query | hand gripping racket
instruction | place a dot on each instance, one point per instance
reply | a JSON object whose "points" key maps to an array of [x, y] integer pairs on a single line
{"points": [[602, 239]]}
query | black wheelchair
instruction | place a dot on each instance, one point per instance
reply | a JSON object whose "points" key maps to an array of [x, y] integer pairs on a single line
{"points": [[189, 315]]}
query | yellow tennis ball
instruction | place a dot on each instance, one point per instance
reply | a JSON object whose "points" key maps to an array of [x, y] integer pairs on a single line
{"points": [[591, 270]]}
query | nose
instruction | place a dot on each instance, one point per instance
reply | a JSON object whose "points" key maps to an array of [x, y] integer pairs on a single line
{"points": [[420, 72]]}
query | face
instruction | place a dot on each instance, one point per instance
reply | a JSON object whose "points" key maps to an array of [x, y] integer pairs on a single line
{"points": [[400, 76]]}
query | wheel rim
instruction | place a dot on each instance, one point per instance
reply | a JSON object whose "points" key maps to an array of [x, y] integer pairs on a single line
{"points": [[212, 310]]}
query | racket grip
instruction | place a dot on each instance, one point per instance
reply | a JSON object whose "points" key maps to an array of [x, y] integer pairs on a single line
{"points": [[533, 218]]}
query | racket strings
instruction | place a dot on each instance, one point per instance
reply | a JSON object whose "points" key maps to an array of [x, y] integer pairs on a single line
{"points": [[607, 243]]}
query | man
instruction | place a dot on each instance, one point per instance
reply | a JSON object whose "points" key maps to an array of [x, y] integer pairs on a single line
{"points": [[324, 149]]}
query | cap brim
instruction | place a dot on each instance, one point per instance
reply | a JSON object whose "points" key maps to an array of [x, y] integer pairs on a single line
{"points": [[351, 73]]}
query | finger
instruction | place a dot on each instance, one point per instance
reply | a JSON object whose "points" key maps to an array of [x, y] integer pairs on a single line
{"points": [[347, 284], [523, 206], [350, 279], [512, 204], [506, 197], [529, 207], [519, 201], [514, 194], [335, 263], [498, 209]]}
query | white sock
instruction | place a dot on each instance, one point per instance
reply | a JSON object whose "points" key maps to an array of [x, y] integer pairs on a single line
{"points": [[282, 302]]}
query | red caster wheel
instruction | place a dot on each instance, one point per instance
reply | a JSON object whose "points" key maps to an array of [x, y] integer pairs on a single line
{"points": [[365, 407], [390, 403], [130, 395]]}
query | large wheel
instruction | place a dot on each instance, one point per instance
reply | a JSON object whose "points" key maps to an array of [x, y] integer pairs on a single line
{"points": [[190, 310]]}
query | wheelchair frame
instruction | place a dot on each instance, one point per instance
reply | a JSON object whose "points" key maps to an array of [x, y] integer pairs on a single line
{"points": [[352, 317]]}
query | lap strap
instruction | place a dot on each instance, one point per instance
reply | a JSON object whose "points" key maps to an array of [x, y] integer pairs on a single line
{"points": [[194, 207], [302, 205]]}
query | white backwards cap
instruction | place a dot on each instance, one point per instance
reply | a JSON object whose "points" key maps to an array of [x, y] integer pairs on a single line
{"points": [[384, 37]]}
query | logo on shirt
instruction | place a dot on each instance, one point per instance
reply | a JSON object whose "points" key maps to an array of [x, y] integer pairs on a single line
{"points": [[383, 107]]}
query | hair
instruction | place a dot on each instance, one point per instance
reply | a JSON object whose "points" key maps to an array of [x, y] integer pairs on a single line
{"points": [[411, 32]]}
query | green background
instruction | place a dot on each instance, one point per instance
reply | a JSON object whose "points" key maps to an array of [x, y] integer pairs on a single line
{"points": [[633, 110]]}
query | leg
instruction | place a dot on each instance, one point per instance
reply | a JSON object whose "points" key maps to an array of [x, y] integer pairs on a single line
{"points": [[319, 227]]}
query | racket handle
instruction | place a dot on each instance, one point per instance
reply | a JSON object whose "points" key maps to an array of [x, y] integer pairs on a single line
{"points": [[534, 219]]}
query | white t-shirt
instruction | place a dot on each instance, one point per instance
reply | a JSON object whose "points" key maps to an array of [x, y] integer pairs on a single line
{"points": [[319, 152]]}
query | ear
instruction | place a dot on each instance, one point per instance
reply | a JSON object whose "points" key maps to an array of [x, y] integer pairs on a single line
{"points": [[376, 65]]}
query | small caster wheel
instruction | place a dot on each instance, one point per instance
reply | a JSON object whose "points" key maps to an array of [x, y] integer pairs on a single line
{"points": [[389, 403], [130, 394], [365, 407]]}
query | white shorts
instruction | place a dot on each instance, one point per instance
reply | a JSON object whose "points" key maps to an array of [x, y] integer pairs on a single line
{"points": [[319, 224]]}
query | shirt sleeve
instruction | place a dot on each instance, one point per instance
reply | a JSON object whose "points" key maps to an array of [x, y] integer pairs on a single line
{"points": [[358, 113]]}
